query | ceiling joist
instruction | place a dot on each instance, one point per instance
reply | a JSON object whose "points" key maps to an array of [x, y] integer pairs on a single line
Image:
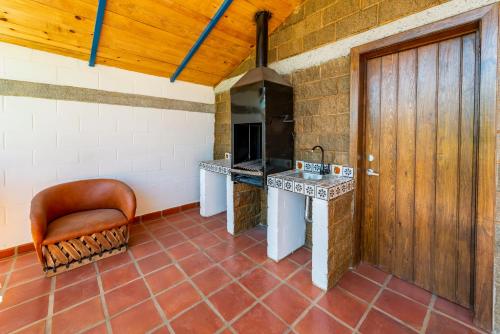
{"points": [[146, 36]]}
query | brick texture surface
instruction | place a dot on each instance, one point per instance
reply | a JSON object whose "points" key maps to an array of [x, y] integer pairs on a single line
{"points": [[339, 237], [247, 207]]}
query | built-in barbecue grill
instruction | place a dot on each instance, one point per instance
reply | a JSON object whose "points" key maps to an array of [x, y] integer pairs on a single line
{"points": [[261, 118]]}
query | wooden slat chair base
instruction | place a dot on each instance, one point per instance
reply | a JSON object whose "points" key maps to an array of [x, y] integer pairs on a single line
{"points": [[74, 253]]}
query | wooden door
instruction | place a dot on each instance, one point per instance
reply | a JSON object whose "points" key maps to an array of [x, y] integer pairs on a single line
{"points": [[418, 212]]}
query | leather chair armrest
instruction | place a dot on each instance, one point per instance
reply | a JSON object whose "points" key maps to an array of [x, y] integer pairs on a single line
{"points": [[126, 201], [38, 216]]}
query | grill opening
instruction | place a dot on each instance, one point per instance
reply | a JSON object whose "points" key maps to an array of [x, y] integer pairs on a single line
{"points": [[247, 142]]}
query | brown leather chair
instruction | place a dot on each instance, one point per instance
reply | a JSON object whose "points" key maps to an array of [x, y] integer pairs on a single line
{"points": [[79, 222]]}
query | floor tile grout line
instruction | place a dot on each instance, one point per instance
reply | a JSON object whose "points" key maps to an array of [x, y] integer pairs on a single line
{"points": [[204, 298], [282, 281], [234, 280], [156, 304], [188, 278], [50, 308], [102, 298], [216, 262], [305, 266], [415, 301], [98, 272], [7, 277], [371, 304], [456, 319], [427, 317]]}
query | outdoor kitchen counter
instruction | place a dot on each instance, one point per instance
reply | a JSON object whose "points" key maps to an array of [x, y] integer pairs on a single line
{"points": [[327, 188], [332, 204]]}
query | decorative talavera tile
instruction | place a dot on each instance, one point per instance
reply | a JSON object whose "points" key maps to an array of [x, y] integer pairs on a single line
{"points": [[347, 171], [288, 185], [337, 170], [278, 183], [271, 182], [316, 168], [309, 190], [308, 167], [322, 193], [298, 187], [299, 164]]}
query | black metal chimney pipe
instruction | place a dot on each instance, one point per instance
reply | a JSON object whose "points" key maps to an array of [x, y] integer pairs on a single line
{"points": [[261, 19]]}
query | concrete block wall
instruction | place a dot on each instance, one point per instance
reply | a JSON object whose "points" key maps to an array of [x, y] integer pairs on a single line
{"points": [[45, 142], [319, 22], [321, 91]]}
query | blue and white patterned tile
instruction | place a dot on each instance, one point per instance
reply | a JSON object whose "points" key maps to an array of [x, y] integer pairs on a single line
{"points": [[316, 168], [278, 183], [288, 185], [298, 187], [347, 172], [271, 182], [308, 167], [309, 190], [322, 193]]}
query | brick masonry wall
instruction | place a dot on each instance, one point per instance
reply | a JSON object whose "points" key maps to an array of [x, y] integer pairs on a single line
{"points": [[247, 207], [319, 22], [322, 92], [340, 246], [222, 126]]}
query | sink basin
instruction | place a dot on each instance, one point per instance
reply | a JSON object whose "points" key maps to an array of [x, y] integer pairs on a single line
{"points": [[308, 176]]}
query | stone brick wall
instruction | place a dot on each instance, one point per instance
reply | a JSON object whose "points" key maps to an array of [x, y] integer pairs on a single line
{"points": [[247, 207], [321, 92], [222, 142], [340, 237], [319, 22]]}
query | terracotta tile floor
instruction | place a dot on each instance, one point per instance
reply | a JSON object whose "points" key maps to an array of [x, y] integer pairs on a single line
{"points": [[185, 274]]}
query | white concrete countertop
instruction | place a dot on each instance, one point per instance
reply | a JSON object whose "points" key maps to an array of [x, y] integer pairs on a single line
{"points": [[327, 188]]}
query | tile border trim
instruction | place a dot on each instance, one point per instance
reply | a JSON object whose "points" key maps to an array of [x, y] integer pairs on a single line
{"points": [[318, 192], [69, 93]]}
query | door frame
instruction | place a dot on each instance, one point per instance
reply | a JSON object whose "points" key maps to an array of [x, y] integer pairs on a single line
{"points": [[485, 20]]}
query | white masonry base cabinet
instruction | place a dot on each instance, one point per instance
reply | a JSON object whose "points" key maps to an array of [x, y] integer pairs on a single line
{"points": [[216, 190], [213, 199], [286, 227], [332, 199]]}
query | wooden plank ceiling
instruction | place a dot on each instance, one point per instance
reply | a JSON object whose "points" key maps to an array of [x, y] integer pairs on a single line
{"points": [[148, 36]]}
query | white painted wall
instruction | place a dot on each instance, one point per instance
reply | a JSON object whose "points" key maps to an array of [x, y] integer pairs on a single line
{"points": [[45, 142]]}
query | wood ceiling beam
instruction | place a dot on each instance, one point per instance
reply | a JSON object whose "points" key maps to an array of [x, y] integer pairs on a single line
{"points": [[97, 31], [225, 5]]}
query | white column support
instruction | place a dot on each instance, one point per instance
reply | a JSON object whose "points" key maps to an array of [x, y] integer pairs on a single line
{"points": [[286, 224], [320, 243], [230, 205], [212, 193]]}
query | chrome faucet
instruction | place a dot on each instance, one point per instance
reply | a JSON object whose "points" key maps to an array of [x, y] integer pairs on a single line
{"points": [[322, 170]]}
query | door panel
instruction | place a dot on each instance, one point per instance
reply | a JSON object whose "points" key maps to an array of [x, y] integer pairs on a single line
{"points": [[405, 166], [425, 161], [420, 135], [372, 145], [387, 161], [467, 168]]}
